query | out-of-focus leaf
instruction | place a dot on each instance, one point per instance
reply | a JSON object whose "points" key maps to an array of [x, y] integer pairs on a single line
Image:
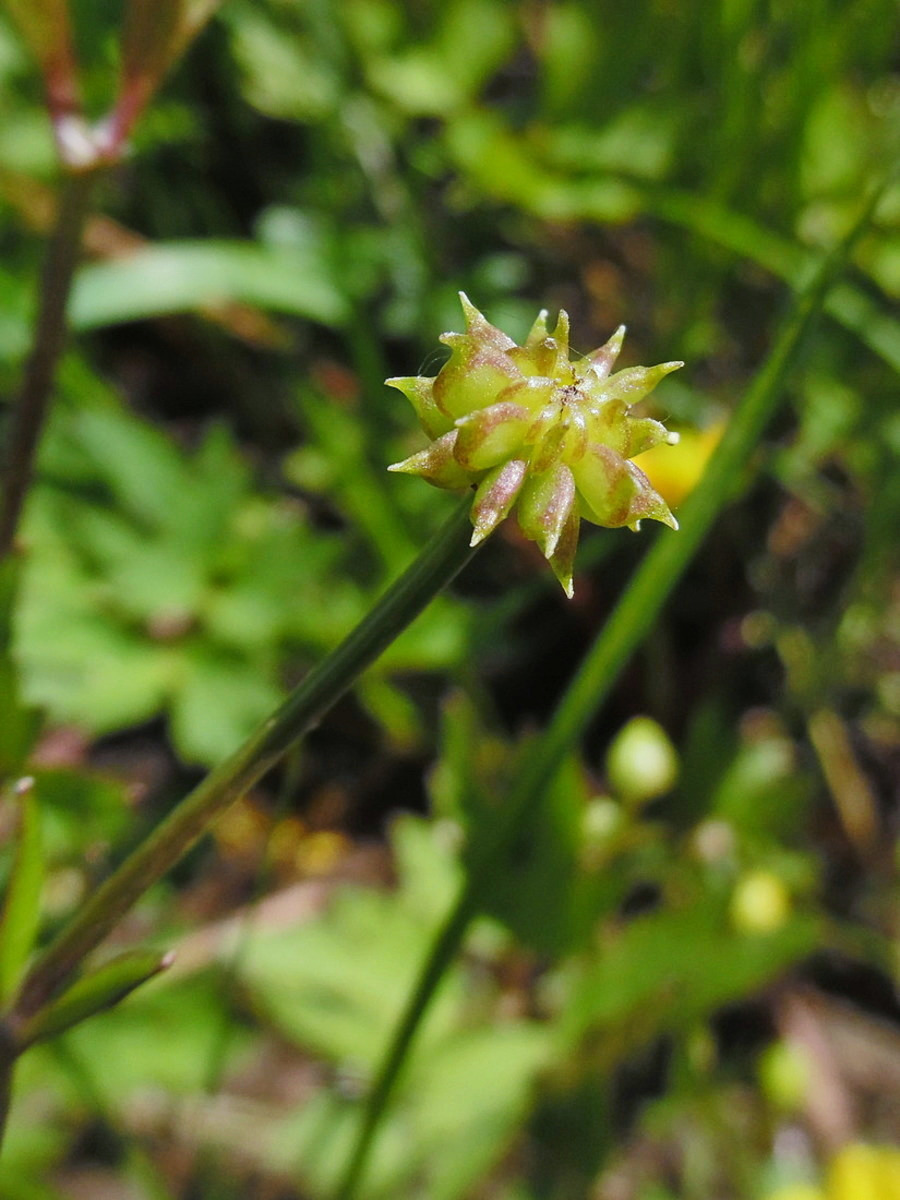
{"points": [[667, 969], [182, 276], [507, 167], [138, 463], [283, 75], [219, 701], [80, 810], [569, 54], [159, 1039], [361, 489], [395, 711], [22, 901], [445, 73], [30, 1146], [638, 142], [539, 886], [159, 580], [839, 137], [534, 886], [461, 1125], [87, 671], [13, 313], [336, 986], [9, 583], [94, 993], [762, 791]]}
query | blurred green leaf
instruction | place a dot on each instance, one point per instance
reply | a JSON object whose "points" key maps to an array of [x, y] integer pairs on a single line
{"points": [[461, 1127], [176, 278], [220, 699], [762, 791], [670, 968], [335, 986], [534, 886], [158, 1040], [81, 810], [440, 76], [283, 74]]}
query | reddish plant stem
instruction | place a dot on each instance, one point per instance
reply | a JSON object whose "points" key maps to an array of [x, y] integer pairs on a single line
{"points": [[29, 416]]}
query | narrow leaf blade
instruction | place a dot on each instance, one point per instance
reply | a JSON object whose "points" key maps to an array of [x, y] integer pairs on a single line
{"points": [[94, 993]]}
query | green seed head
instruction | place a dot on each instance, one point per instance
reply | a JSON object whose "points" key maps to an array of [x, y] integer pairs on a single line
{"points": [[533, 431]]}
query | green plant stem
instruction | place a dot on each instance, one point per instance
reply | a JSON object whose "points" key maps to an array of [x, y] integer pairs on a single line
{"points": [[445, 555], [50, 329], [626, 628], [849, 304]]}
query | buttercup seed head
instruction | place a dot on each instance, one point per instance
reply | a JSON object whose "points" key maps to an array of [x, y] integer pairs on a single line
{"points": [[538, 433]]}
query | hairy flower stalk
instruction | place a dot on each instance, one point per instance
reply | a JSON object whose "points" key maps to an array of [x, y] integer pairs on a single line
{"points": [[537, 433]]}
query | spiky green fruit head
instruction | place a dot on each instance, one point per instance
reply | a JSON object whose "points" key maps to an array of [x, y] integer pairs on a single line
{"points": [[537, 433]]}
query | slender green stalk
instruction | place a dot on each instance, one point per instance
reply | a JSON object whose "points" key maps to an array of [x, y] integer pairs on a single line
{"points": [[849, 304], [435, 567], [49, 340], [632, 618], [443, 951]]}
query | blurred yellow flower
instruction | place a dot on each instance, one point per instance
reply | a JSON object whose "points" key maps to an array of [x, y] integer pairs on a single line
{"points": [[675, 470], [857, 1172]]}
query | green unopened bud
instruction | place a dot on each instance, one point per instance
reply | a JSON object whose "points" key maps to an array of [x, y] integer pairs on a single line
{"points": [[533, 431], [641, 761], [784, 1073], [760, 903]]}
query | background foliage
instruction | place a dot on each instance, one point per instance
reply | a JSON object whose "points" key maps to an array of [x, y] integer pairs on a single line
{"points": [[685, 982]]}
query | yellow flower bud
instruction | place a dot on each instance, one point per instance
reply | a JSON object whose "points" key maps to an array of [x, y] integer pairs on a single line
{"points": [[760, 903]]}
